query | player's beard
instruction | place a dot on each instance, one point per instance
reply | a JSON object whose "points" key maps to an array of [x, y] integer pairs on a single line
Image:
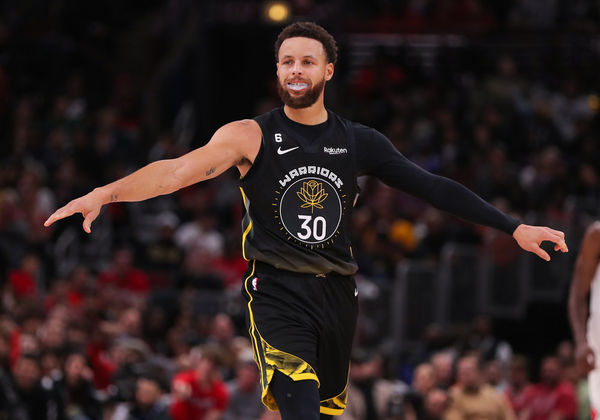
{"points": [[310, 96]]}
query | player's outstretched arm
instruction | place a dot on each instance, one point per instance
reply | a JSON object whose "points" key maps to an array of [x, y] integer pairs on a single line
{"points": [[377, 156], [231, 144], [583, 274], [530, 237]]}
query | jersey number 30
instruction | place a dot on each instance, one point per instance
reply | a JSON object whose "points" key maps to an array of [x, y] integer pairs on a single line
{"points": [[318, 229]]}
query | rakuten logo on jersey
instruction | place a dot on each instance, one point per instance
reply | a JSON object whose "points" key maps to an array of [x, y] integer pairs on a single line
{"points": [[335, 150]]}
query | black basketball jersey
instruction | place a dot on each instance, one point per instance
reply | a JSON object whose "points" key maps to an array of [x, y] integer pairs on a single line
{"points": [[298, 196]]}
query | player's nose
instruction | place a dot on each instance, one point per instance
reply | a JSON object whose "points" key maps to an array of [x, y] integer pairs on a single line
{"points": [[297, 68]]}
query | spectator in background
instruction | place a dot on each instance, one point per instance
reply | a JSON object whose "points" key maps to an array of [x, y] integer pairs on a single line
{"points": [[424, 379], [569, 107], [494, 375], [80, 399], [518, 391], [130, 357], [28, 397], [33, 201], [231, 266], [26, 280], [163, 256], [471, 398], [443, 366], [486, 344], [149, 402], [435, 404], [552, 398], [24, 343], [70, 291], [222, 334], [370, 396], [245, 392], [201, 234], [200, 393], [123, 275], [50, 365]]}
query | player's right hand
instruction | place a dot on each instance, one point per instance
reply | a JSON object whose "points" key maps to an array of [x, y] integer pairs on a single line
{"points": [[88, 205], [584, 358]]}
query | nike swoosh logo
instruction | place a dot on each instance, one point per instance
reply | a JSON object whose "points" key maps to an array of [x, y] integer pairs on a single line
{"points": [[281, 151]]}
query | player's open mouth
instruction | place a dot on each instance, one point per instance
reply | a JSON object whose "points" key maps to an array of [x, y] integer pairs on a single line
{"points": [[297, 86]]}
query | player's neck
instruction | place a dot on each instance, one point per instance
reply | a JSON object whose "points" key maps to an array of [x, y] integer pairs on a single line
{"points": [[312, 115]]}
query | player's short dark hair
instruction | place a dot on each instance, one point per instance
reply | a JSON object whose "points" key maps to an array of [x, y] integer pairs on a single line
{"points": [[309, 30]]}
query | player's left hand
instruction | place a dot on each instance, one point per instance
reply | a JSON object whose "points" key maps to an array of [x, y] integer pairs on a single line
{"points": [[530, 237]]}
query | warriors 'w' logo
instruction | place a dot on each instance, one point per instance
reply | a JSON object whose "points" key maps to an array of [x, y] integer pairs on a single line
{"points": [[312, 194]]}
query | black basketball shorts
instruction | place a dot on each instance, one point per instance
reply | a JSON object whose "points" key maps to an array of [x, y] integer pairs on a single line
{"points": [[303, 326]]}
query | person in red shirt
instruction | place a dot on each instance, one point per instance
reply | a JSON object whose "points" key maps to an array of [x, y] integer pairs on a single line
{"points": [[519, 388], [199, 393], [24, 279], [552, 398], [122, 273]]}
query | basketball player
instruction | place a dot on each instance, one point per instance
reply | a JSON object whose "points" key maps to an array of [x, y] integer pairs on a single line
{"points": [[584, 311], [298, 166]]}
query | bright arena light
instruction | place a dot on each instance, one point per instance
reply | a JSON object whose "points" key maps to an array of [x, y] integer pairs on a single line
{"points": [[277, 12]]}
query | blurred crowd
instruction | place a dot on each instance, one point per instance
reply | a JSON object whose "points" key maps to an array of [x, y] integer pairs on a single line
{"points": [[111, 356], [476, 378], [143, 319]]}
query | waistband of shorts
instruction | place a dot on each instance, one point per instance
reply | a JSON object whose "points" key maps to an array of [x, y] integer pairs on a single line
{"points": [[269, 269]]}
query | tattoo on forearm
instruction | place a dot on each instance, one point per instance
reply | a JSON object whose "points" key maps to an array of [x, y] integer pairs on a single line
{"points": [[114, 197], [210, 171]]}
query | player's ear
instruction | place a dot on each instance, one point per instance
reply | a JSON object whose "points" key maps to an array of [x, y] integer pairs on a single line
{"points": [[328, 71]]}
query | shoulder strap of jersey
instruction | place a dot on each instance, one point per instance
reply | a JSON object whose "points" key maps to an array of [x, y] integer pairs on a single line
{"points": [[266, 123]]}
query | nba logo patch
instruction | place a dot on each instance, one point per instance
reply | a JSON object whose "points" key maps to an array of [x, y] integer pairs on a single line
{"points": [[255, 284]]}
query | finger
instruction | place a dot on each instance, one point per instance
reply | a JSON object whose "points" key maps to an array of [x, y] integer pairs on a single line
{"points": [[558, 240], [89, 218], [562, 246], [59, 214], [541, 253], [562, 243]]}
